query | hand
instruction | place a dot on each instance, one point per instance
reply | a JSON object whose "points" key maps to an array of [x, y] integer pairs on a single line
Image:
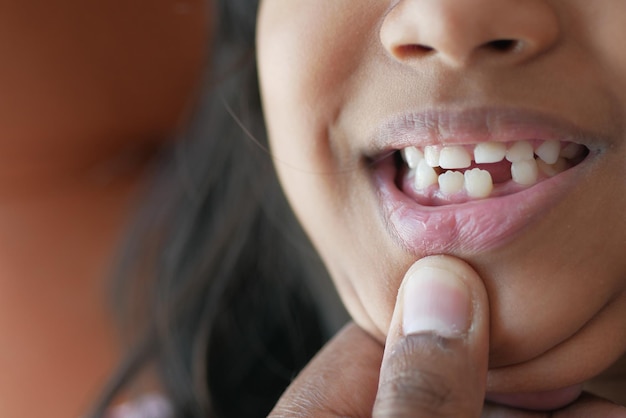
{"points": [[434, 363]]}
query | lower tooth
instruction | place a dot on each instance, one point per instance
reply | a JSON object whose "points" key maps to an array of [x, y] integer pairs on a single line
{"points": [[478, 183], [425, 175], [451, 182], [572, 150], [552, 170], [525, 172]]}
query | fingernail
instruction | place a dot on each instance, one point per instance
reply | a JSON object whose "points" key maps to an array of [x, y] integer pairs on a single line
{"points": [[436, 300]]}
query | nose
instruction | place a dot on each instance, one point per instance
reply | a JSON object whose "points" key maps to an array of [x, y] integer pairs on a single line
{"points": [[459, 32]]}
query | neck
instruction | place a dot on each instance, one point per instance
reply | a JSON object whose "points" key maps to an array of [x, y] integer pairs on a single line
{"points": [[58, 239]]}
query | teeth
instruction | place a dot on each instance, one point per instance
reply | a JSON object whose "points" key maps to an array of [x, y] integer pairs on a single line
{"points": [[489, 152], [478, 183], [412, 156], [571, 151], [425, 175], [520, 151], [549, 151], [552, 170], [451, 182], [525, 172], [454, 157], [431, 154]]}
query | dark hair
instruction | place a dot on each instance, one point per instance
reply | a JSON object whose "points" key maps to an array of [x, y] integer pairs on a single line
{"points": [[213, 286]]}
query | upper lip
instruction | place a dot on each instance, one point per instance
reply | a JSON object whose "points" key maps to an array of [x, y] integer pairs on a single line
{"points": [[475, 125]]}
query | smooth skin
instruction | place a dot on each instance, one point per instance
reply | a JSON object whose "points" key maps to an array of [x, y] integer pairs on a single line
{"points": [[90, 90], [421, 374]]}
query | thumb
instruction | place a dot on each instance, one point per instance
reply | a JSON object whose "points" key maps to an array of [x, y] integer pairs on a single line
{"points": [[435, 360]]}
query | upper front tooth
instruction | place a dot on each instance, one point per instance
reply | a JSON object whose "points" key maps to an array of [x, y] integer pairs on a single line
{"points": [[454, 157], [549, 151], [412, 156], [431, 154], [489, 152], [520, 151]]}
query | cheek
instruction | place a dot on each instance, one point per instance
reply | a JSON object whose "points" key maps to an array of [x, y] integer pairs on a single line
{"points": [[607, 27], [307, 53], [306, 79], [550, 287]]}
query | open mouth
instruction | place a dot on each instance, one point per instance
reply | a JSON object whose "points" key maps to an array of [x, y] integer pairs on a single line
{"points": [[439, 175], [461, 182]]}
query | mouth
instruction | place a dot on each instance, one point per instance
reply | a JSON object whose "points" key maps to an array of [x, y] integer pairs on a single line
{"points": [[467, 181]]}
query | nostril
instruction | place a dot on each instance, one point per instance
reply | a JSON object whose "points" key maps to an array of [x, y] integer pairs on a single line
{"points": [[413, 51], [502, 45], [410, 51]]}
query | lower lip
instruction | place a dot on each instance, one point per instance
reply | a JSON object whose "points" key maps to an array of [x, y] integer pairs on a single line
{"points": [[469, 227], [538, 401]]}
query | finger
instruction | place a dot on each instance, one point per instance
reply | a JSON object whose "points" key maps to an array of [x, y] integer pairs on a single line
{"points": [[591, 406], [435, 360], [493, 410], [586, 406], [340, 381]]}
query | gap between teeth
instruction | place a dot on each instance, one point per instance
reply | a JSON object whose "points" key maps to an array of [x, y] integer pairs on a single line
{"points": [[527, 163]]}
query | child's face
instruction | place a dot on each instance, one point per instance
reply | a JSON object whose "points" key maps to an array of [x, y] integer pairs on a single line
{"points": [[347, 84]]}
